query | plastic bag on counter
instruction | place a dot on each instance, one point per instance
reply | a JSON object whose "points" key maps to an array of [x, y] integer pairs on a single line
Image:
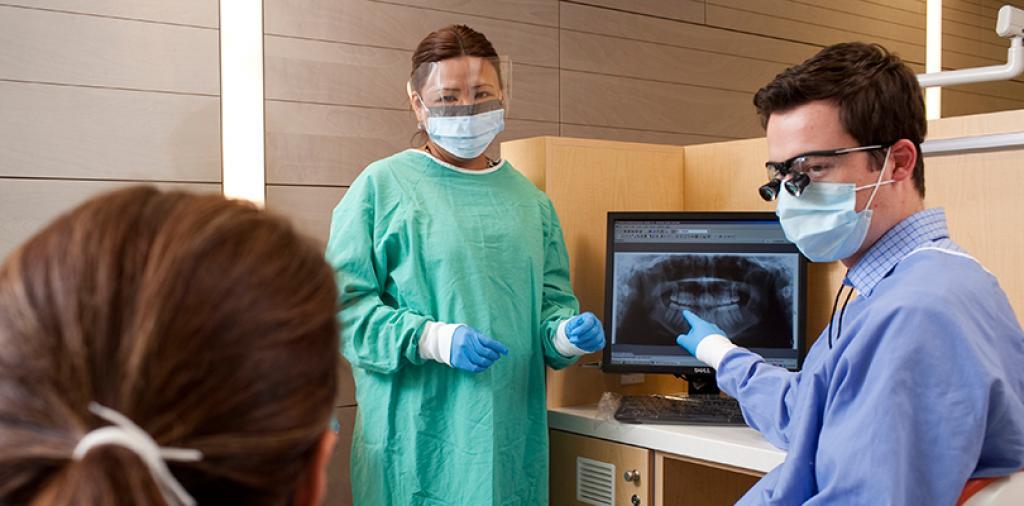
{"points": [[608, 405]]}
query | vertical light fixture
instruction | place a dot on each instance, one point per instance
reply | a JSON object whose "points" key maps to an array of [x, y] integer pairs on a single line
{"points": [[241, 99], [933, 57]]}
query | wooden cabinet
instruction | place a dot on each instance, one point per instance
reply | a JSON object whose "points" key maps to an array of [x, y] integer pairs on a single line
{"points": [[681, 481], [656, 478], [580, 460]]}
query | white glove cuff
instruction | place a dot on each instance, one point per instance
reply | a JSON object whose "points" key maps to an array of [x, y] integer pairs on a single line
{"points": [[436, 342], [712, 349], [563, 345]]}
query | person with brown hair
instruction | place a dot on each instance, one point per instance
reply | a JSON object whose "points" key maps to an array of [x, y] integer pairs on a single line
{"points": [[166, 348], [455, 294], [917, 385]]}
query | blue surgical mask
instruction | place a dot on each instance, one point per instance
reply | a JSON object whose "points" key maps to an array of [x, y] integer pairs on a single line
{"points": [[823, 222], [466, 136]]}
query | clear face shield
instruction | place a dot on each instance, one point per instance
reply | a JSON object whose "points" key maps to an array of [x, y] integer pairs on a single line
{"points": [[461, 102]]}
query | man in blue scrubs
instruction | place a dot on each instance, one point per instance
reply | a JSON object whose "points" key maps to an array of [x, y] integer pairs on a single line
{"points": [[917, 384]]}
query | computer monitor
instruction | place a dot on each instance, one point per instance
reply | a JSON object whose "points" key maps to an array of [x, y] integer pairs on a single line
{"points": [[736, 270]]}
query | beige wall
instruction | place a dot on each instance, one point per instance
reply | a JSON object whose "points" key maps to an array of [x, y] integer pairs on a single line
{"points": [[98, 95]]}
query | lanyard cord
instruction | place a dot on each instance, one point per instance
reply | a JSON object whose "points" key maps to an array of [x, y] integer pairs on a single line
{"points": [[835, 304]]}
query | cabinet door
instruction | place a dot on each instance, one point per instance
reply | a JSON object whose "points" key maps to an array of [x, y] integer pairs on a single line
{"points": [[689, 482], [568, 451]]}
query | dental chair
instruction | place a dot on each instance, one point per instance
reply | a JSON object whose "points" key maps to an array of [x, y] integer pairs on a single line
{"points": [[1005, 491]]}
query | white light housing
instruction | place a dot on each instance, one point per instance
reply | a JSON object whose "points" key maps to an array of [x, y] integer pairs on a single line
{"points": [[241, 99], [933, 57]]}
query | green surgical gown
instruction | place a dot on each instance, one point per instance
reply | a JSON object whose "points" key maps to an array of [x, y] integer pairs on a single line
{"points": [[412, 241]]}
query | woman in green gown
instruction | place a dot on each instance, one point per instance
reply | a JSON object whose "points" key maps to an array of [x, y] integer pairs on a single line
{"points": [[454, 295]]}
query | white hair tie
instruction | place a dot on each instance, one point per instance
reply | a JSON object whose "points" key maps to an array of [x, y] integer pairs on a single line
{"points": [[128, 435]]}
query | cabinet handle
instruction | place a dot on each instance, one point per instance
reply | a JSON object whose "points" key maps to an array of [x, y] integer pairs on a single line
{"points": [[632, 475]]}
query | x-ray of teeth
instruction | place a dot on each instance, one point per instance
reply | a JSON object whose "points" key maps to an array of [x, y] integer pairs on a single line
{"points": [[749, 296]]}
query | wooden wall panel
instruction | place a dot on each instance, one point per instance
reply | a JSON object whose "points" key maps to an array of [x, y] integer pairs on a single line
{"points": [[26, 205], [402, 27], [330, 145], [184, 12], [644, 136], [832, 16], [346, 385], [706, 38], [91, 133], [54, 47], [537, 12], [783, 18], [335, 73], [533, 93], [1010, 90], [681, 10], [98, 95], [308, 207], [644, 60], [970, 6], [954, 10], [590, 99], [958, 103], [983, 31], [991, 49], [339, 488], [907, 13]]}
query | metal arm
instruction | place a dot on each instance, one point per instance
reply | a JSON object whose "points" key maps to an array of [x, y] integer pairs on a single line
{"points": [[1010, 24]]}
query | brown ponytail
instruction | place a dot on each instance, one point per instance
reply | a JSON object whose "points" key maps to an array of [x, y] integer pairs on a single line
{"points": [[208, 323]]}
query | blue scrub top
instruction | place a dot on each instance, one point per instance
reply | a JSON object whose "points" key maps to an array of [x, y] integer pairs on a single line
{"points": [[923, 390]]}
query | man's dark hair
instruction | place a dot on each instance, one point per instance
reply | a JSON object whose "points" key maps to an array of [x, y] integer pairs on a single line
{"points": [[879, 98]]}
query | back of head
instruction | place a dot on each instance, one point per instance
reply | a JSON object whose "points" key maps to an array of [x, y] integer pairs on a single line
{"points": [[878, 96], [208, 323]]}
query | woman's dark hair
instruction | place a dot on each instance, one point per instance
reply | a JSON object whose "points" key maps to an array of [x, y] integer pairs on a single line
{"points": [[878, 96], [207, 322], [450, 42]]}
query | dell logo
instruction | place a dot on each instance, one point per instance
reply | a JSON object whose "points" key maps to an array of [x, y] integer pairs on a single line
{"points": [[702, 370]]}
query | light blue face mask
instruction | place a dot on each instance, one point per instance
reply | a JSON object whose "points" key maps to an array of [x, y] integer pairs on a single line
{"points": [[823, 221], [466, 133]]}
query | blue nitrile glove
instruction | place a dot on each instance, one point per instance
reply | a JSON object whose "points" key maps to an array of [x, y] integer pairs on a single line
{"points": [[585, 332], [699, 329], [473, 351]]}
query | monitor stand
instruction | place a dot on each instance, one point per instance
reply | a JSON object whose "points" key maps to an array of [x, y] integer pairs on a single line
{"points": [[701, 384]]}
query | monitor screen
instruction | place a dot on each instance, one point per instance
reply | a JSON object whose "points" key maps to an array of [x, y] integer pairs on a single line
{"points": [[736, 270]]}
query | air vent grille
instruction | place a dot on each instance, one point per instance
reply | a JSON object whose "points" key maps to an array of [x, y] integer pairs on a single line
{"points": [[595, 482]]}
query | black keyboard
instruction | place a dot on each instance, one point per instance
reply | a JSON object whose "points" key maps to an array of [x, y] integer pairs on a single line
{"points": [[695, 410]]}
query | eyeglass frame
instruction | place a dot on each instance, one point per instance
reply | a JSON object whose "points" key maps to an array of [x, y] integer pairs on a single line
{"points": [[795, 184], [785, 167]]}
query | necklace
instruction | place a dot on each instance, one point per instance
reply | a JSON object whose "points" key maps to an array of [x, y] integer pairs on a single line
{"points": [[490, 163]]}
